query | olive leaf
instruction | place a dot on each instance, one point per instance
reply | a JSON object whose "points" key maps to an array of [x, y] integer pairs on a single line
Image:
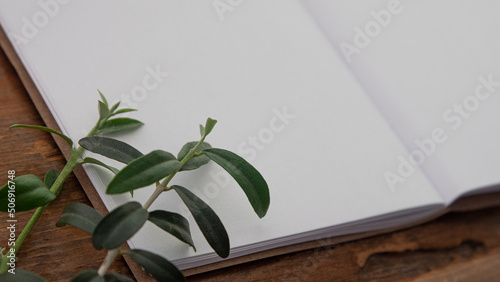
{"points": [[249, 179], [119, 225], [208, 221], [122, 111], [111, 148], [114, 107], [160, 268], [103, 111], [30, 193], [80, 216], [89, 275], [46, 129], [21, 276], [104, 100], [174, 224], [209, 125], [143, 171], [196, 161], [115, 277], [89, 160], [119, 124], [50, 177]]}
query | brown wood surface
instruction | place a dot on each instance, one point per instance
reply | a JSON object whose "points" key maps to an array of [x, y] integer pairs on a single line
{"points": [[55, 253], [455, 247]]}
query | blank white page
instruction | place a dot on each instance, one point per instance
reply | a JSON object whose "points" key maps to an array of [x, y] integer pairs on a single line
{"points": [[429, 65], [283, 97]]}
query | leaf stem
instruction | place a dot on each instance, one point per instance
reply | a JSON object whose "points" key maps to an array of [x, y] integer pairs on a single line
{"points": [[56, 188], [183, 161], [19, 241], [163, 185], [192, 152], [159, 189], [108, 260]]}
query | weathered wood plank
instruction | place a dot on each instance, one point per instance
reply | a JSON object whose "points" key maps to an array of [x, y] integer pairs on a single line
{"points": [[55, 253], [455, 247]]}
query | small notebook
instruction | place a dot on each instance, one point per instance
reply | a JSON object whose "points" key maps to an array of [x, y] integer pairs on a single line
{"points": [[361, 116]]}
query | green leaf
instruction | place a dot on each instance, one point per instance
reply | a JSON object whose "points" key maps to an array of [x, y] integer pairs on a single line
{"points": [[209, 125], [80, 216], [103, 111], [114, 107], [196, 161], [202, 130], [103, 98], [89, 275], [209, 223], [50, 177], [160, 268], [122, 111], [249, 179], [46, 129], [115, 277], [99, 163], [174, 224], [21, 276], [111, 148], [30, 192], [119, 124], [143, 171], [119, 225]]}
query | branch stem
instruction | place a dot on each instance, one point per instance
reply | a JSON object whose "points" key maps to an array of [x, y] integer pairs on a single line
{"points": [[56, 188], [108, 260], [159, 189]]}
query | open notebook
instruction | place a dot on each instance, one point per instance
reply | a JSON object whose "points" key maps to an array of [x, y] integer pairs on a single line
{"points": [[361, 115]]}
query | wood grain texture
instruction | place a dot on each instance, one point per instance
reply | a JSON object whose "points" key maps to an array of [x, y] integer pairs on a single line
{"points": [[455, 247], [55, 253]]}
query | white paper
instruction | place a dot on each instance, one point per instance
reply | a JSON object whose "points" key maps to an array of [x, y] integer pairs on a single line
{"points": [[421, 61], [266, 72]]}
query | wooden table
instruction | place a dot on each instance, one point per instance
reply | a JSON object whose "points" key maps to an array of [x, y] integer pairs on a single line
{"points": [[455, 247]]}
